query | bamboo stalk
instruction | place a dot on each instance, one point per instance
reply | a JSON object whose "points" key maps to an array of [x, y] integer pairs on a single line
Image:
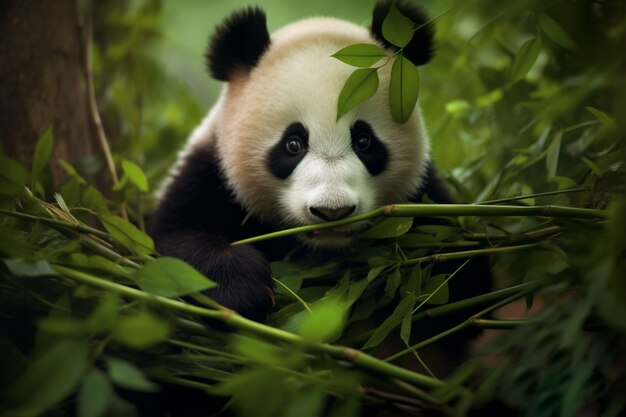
{"points": [[438, 210], [359, 359], [78, 227]]}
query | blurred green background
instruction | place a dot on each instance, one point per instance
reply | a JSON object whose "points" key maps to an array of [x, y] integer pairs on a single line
{"points": [[501, 122]]}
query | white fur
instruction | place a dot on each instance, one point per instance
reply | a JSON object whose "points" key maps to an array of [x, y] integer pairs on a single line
{"points": [[297, 80]]}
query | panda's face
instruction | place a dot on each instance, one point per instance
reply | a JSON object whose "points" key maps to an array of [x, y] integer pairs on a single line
{"points": [[287, 157]]}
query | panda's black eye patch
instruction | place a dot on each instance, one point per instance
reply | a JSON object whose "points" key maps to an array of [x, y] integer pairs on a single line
{"points": [[368, 147], [285, 156]]}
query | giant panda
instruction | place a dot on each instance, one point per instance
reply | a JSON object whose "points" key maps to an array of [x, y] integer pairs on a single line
{"points": [[271, 154]]}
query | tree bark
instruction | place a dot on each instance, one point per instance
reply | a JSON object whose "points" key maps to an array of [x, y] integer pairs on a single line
{"points": [[42, 81]]}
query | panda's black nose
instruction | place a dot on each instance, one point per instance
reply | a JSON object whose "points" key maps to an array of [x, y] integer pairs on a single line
{"points": [[330, 214]]}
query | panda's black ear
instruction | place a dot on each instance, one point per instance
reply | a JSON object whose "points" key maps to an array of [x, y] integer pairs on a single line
{"points": [[420, 49], [238, 43]]}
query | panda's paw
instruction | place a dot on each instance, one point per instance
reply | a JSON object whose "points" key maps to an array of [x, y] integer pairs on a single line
{"points": [[244, 281]]}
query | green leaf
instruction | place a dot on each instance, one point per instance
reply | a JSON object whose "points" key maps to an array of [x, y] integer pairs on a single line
{"points": [[436, 291], [405, 329], [360, 85], [592, 166], [171, 277], [525, 58], [324, 324], [458, 108], [360, 54], [26, 268], [126, 375], [552, 157], [12, 177], [405, 307], [397, 28], [71, 171], [43, 150], [51, 377], [141, 330], [374, 272], [392, 283], [388, 228], [94, 395], [136, 175], [92, 198], [127, 234], [555, 32], [606, 120], [404, 86]]}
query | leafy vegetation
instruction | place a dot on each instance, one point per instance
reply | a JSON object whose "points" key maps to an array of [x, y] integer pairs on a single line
{"points": [[525, 106]]}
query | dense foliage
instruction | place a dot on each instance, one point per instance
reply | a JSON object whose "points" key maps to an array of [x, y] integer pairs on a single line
{"points": [[524, 102]]}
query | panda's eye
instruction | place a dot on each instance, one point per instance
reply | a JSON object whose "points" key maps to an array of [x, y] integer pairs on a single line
{"points": [[362, 142], [294, 145]]}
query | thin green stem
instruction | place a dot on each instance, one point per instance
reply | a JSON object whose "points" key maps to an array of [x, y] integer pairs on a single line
{"points": [[460, 326], [524, 197], [445, 282], [499, 323], [457, 306], [438, 210], [359, 359], [77, 227], [441, 257], [296, 296]]}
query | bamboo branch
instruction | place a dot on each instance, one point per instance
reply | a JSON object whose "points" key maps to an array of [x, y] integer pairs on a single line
{"points": [[457, 306], [359, 359], [439, 210], [94, 113], [460, 326], [77, 227]]}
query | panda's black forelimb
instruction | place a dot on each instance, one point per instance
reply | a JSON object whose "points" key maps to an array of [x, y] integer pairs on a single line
{"points": [[196, 221]]}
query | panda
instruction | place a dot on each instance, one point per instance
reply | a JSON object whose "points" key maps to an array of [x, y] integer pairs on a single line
{"points": [[271, 154]]}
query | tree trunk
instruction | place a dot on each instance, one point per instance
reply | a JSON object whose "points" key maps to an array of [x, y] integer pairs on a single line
{"points": [[42, 81]]}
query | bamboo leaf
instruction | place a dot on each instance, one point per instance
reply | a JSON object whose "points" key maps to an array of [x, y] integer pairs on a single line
{"points": [[552, 157], [136, 175], [607, 121], [43, 150], [141, 330], [388, 228], [51, 377], [405, 329], [94, 395], [405, 307], [404, 87], [525, 58], [556, 32], [397, 28], [171, 277], [592, 166], [126, 375], [324, 323], [436, 291], [27, 268], [360, 54], [127, 234], [392, 283], [360, 85], [12, 177]]}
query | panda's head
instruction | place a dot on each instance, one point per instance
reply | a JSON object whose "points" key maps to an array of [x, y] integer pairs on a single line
{"points": [[284, 154]]}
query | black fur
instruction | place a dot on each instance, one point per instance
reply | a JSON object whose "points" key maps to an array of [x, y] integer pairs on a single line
{"points": [[279, 161], [376, 157], [196, 221], [420, 49], [238, 43]]}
